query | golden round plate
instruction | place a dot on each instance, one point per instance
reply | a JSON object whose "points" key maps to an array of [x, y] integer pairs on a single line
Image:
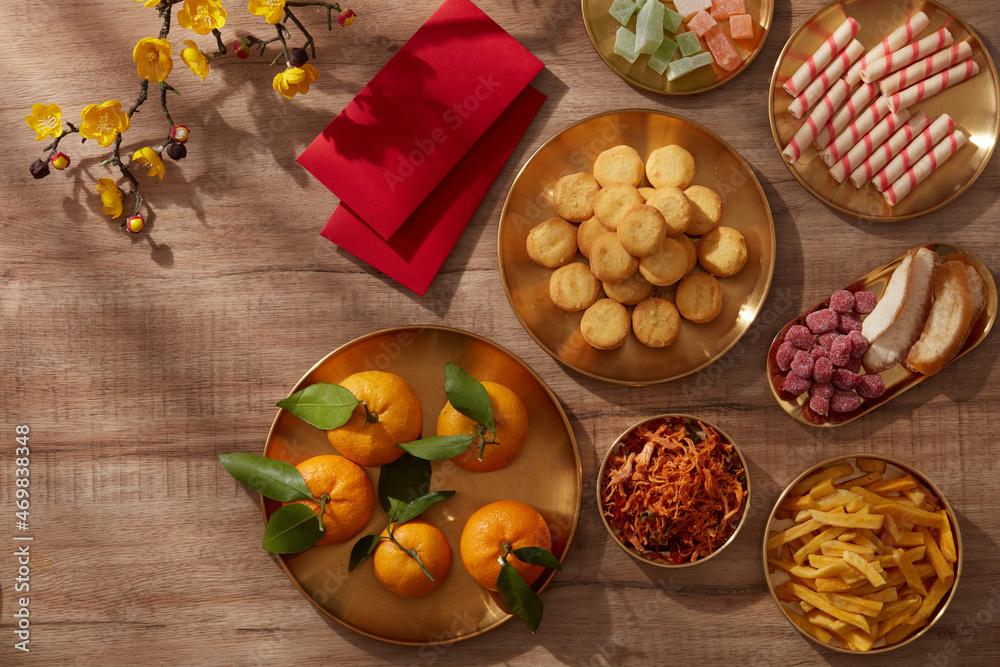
{"points": [[546, 475], [691, 422], [574, 149], [894, 469], [601, 28], [974, 104], [898, 378]]}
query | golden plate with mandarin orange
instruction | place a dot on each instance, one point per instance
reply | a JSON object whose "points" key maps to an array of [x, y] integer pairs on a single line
{"points": [[574, 149], [546, 475], [974, 104], [602, 27]]}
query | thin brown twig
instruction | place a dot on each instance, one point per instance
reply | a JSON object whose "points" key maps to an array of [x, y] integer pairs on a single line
{"points": [[218, 40], [309, 39]]}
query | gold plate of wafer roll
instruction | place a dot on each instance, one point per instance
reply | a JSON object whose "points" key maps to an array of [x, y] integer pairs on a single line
{"points": [[862, 554], [885, 111], [733, 43]]}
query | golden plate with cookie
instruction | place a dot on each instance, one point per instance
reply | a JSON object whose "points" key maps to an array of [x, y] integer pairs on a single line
{"points": [[728, 305], [602, 28]]}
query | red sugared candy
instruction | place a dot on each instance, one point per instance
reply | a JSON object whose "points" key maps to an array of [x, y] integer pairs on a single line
{"points": [[822, 369], [796, 385], [819, 351], [871, 386], [826, 339], [821, 389], [722, 47], [845, 379], [701, 23], [844, 401], [859, 344], [841, 301], [819, 405], [864, 302], [786, 351], [723, 9], [840, 351], [849, 322], [822, 321], [741, 26], [800, 337], [853, 365], [802, 364]]}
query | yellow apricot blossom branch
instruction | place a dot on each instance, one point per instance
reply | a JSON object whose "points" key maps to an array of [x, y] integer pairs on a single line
{"points": [[153, 57]]}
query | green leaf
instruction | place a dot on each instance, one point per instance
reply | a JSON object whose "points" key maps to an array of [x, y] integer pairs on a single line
{"points": [[417, 507], [322, 405], [537, 556], [362, 549], [438, 447], [273, 479], [403, 479], [292, 528], [396, 506], [519, 597], [468, 395]]}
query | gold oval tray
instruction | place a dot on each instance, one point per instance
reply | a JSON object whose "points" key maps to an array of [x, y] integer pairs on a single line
{"points": [[574, 149], [903, 469], [601, 28], [898, 378], [546, 475], [974, 104]]}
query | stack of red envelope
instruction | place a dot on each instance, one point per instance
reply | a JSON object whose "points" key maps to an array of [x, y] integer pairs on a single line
{"points": [[414, 154]]}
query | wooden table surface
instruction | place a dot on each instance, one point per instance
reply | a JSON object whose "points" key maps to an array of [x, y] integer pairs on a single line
{"points": [[136, 360]]}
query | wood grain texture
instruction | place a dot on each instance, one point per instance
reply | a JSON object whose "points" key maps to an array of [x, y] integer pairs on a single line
{"points": [[137, 359]]}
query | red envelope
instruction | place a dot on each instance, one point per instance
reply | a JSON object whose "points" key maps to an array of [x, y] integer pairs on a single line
{"points": [[415, 253], [409, 127]]}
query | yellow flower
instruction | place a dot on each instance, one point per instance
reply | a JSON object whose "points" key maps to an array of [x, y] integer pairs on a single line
{"points": [[149, 3], [195, 59], [111, 197], [152, 56], [295, 80], [202, 16], [271, 10], [103, 122], [45, 120], [147, 155]]}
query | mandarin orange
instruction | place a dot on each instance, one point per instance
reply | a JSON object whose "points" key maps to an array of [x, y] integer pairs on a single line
{"points": [[349, 489], [510, 419], [490, 528], [400, 572], [393, 417]]}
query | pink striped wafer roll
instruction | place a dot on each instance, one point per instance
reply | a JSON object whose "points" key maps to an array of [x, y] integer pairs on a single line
{"points": [[899, 37], [927, 165], [925, 68], [934, 85], [915, 150], [910, 53], [890, 149], [833, 45], [858, 102], [868, 144], [816, 120], [853, 133], [815, 90]]}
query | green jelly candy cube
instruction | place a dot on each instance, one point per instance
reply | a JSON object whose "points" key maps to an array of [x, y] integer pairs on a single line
{"points": [[688, 43], [649, 27], [702, 59], [679, 68], [661, 57], [671, 20], [622, 10], [639, 4], [625, 44]]}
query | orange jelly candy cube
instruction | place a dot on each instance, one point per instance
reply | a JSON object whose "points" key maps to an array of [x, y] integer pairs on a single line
{"points": [[723, 9], [741, 26], [701, 23], [723, 48]]}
